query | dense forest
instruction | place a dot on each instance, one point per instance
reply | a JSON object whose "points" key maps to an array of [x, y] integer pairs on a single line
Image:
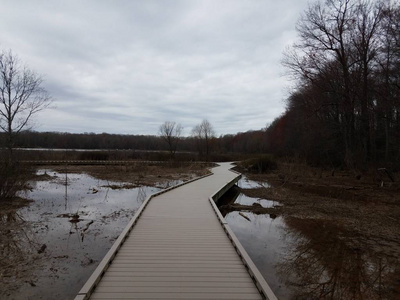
{"points": [[345, 109]]}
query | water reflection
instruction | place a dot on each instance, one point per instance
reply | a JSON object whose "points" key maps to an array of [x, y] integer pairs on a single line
{"points": [[264, 240], [313, 258], [245, 183], [142, 194], [73, 220], [262, 234], [322, 260], [19, 249], [235, 200], [246, 200], [168, 184]]}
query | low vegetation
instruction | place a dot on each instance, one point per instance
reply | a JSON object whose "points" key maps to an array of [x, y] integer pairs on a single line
{"points": [[261, 164], [13, 178]]}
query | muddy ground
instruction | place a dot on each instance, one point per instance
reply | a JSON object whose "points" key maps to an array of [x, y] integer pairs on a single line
{"points": [[344, 240], [346, 223], [33, 249], [141, 173], [363, 204]]}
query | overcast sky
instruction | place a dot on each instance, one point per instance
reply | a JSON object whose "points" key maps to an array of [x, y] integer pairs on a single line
{"points": [[128, 66]]}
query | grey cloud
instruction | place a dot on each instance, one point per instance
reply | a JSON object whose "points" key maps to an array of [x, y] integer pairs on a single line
{"points": [[128, 66]]}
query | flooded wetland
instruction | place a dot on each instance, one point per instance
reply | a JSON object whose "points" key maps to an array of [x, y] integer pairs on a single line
{"points": [[321, 235], [52, 241], [304, 248]]}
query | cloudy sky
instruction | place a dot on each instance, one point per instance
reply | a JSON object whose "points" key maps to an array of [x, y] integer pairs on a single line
{"points": [[128, 66]]}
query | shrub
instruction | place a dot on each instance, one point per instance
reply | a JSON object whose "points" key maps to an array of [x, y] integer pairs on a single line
{"points": [[261, 164], [94, 155], [13, 178]]}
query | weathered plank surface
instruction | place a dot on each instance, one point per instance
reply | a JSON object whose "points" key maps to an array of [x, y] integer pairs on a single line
{"points": [[179, 248]]}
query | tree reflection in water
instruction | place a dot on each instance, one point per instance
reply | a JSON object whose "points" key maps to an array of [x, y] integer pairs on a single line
{"points": [[19, 249], [142, 194], [325, 261]]}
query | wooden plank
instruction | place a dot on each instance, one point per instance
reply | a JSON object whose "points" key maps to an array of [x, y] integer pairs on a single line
{"points": [[178, 279], [178, 248], [176, 269], [187, 273], [176, 262], [171, 250], [195, 284], [249, 289], [162, 256], [188, 296]]}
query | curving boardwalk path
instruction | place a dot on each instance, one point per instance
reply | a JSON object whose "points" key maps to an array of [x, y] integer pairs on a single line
{"points": [[178, 246]]}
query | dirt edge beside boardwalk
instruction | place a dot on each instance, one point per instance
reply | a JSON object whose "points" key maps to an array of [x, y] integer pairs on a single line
{"points": [[359, 212]]}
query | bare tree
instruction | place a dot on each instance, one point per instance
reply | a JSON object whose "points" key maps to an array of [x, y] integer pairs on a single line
{"points": [[204, 132], [171, 132], [21, 97], [342, 37], [325, 36], [388, 81], [366, 38]]}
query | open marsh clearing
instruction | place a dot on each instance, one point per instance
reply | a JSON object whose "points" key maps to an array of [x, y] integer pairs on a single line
{"points": [[304, 248]]}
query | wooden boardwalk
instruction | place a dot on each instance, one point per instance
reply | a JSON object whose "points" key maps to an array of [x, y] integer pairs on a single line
{"points": [[178, 246]]}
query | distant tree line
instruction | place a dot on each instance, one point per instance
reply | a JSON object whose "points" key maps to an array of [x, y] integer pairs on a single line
{"points": [[345, 109], [58, 140], [246, 142]]}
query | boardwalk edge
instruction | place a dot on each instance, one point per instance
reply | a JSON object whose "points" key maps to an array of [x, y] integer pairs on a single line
{"points": [[98, 273], [255, 274]]}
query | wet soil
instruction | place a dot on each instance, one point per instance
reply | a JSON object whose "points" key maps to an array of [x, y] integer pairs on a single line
{"points": [[57, 232], [142, 173], [313, 234], [343, 227]]}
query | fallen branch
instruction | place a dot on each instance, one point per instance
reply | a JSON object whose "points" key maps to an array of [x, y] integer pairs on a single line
{"points": [[244, 216]]}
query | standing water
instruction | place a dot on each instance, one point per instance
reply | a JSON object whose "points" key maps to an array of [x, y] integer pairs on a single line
{"points": [[51, 247], [311, 258], [60, 238], [263, 236]]}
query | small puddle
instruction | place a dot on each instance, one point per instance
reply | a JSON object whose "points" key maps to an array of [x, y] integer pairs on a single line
{"points": [[245, 200], [245, 183]]}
